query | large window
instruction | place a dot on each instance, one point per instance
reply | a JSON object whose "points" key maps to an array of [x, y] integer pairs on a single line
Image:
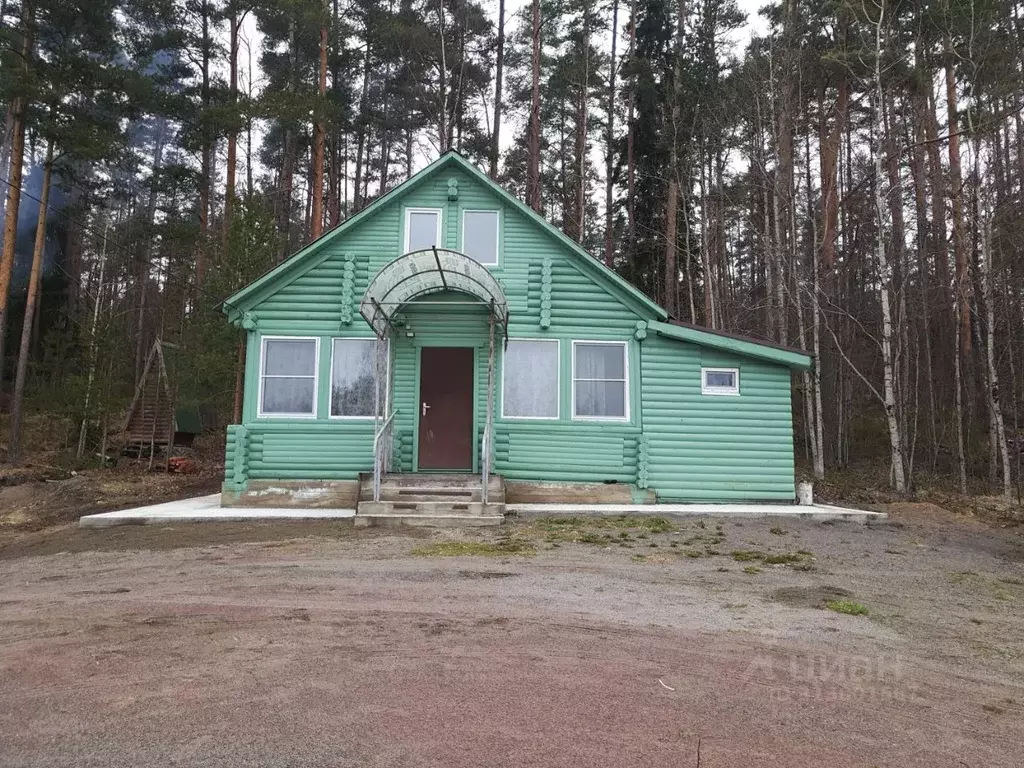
{"points": [[720, 381], [529, 381], [352, 378], [288, 377], [600, 386], [480, 236], [422, 228]]}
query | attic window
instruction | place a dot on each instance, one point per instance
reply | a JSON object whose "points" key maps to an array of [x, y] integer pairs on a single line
{"points": [[422, 228], [480, 236], [720, 381]]}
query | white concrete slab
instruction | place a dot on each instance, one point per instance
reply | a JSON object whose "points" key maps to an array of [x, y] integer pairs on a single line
{"points": [[809, 512], [207, 509]]}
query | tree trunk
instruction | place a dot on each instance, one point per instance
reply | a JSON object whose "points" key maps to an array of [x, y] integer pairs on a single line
{"points": [[18, 400], [232, 159], [5, 152], [963, 281], [361, 128], [609, 162], [19, 106], [671, 292], [206, 149], [829, 152], [319, 136], [499, 70], [578, 222], [884, 268], [995, 406], [533, 160], [631, 143]]}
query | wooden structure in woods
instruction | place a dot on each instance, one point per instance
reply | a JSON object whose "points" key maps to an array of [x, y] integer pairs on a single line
{"points": [[150, 421]]}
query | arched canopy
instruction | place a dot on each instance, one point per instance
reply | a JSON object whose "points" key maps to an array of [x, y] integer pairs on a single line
{"points": [[419, 273]]}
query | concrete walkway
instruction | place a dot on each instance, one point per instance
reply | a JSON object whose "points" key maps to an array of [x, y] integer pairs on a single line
{"points": [[207, 509], [808, 512]]}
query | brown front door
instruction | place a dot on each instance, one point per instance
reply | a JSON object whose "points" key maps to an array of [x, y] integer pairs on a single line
{"points": [[446, 408]]}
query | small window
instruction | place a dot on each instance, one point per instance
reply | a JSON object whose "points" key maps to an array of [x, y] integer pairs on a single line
{"points": [[599, 380], [288, 377], [480, 236], [720, 381], [422, 228], [352, 378], [529, 380]]}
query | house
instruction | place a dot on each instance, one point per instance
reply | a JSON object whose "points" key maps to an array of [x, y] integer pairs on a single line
{"points": [[447, 349]]}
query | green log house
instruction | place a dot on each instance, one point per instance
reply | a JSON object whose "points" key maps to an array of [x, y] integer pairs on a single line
{"points": [[449, 328]]}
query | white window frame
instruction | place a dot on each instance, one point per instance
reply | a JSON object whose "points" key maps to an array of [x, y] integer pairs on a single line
{"points": [[330, 391], [497, 240], [316, 378], [558, 386], [625, 370], [707, 389], [440, 225]]}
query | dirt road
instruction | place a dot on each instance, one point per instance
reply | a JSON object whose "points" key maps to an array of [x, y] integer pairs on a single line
{"points": [[544, 644]]}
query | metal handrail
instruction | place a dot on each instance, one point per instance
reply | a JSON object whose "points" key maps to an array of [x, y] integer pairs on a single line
{"points": [[485, 460], [381, 453]]}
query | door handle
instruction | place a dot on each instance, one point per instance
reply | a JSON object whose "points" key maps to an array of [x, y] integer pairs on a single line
{"points": [[425, 409]]}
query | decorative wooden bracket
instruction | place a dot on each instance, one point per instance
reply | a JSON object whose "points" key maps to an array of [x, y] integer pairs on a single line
{"points": [[348, 288], [249, 320], [453, 189], [545, 293], [641, 331], [643, 462]]}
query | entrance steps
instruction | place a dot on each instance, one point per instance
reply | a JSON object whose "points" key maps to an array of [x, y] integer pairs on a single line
{"points": [[439, 500]]}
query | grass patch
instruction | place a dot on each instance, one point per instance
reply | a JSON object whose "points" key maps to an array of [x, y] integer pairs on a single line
{"points": [[746, 555], [501, 547], [787, 558], [848, 607], [751, 569], [601, 531], [776, 531]]}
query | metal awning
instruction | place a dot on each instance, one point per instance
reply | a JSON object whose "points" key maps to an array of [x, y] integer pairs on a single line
{"points": [[419, 273]]}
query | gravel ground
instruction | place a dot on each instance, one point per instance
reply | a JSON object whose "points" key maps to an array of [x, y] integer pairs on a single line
{"points": [[544, 643]]}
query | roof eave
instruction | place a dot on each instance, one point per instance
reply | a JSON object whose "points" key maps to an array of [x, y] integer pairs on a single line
{"points": [[791, 359]]}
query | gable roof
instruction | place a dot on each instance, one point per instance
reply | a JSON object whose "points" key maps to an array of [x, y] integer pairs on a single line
{"points": [[735, 343], [636, 299]]}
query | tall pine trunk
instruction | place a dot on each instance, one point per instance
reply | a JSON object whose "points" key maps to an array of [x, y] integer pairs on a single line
{"points": [[19, 108], [885, 273], [232, 159], [319, 136], [18, 400], [499, 74], [533, 158], [609, 149]]}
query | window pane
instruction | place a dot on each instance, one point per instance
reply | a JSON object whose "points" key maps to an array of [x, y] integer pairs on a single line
{"points": [[288, 395], [726, 379], [422, 229], [352, 377], [284, 357], [480, 236], [601, 398], [530, 374], [600, 361]]}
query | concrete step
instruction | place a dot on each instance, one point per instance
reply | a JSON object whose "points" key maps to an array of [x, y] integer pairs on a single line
{"points": [[426, 487], [429, 508], [431, 521]]}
